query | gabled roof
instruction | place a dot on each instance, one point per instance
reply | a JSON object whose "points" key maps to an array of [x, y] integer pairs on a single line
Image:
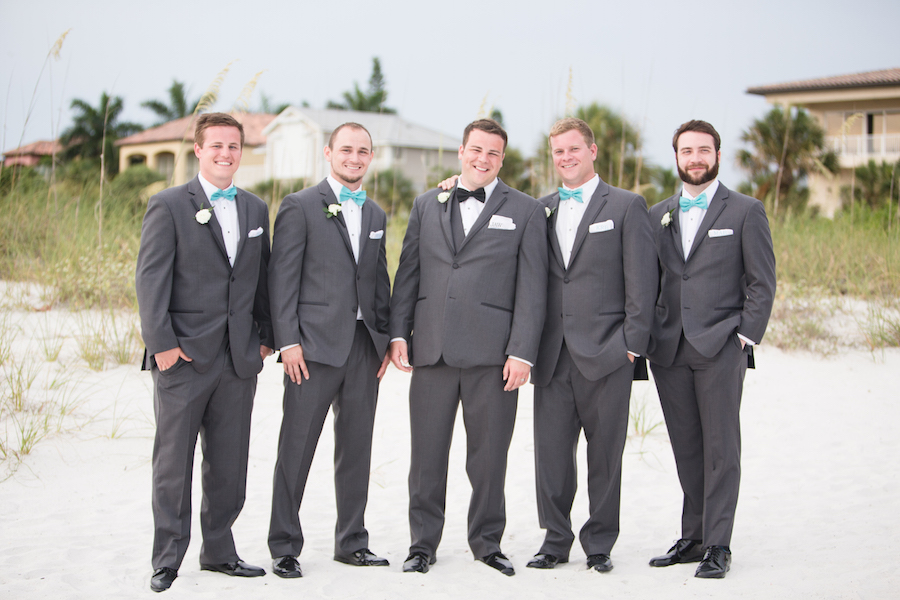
{"points": [[885, 77], [39, 148], [183, 129], [386, 130]]}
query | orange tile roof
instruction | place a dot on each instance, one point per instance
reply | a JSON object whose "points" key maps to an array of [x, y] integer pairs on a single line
{"points": [[183, 129], [885, 77], [39, 148]]}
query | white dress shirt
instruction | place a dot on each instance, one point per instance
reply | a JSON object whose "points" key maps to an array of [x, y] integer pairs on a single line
{"points": [[352, 214], [226, 215], [569, 215], [690, 220], [469, 208]]}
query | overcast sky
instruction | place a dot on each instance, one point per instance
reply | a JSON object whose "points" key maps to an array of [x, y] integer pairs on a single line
{"points": [[659, 62]]}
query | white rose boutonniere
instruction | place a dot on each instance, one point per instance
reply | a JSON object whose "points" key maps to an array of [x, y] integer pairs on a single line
{"points": [[548, 211], [666, 218], [443, 197], [203, 215], [332, 210]]}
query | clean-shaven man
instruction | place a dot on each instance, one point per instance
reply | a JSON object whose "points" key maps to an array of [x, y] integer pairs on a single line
{"points": [[330, 295], [600, 297], [466, 312], [716, 289], [202, 291]]}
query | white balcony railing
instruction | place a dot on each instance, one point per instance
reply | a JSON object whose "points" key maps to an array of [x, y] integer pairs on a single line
{"points": [[870, 146]]}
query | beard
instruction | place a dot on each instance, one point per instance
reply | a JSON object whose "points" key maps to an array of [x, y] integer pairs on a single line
{"points": [[705, 177]]}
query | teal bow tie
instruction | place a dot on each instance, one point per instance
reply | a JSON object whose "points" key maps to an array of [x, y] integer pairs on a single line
{"points": [[686, 203], [359, 196], [565, 194], [227, 194]]}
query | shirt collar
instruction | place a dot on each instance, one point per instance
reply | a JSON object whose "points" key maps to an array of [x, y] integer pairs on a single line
{"points": [[587, 188], [488, 189], [208, 188], [710, 191], [336, 187]]}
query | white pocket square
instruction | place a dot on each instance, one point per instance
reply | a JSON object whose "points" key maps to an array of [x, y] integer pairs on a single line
{"points": [[714, 233], [502, 223], [255, 233], [601, 226], [376, 235]]}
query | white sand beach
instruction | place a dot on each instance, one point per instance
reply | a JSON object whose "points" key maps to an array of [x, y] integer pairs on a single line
{"points": [[817, 517]]}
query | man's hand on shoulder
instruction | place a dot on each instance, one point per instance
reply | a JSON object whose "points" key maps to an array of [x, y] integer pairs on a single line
{"points": [[448, 183], [294, 365], [167, 359]]}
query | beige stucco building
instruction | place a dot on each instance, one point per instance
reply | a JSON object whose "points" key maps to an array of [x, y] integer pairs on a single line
{"points": [[860, 114], [169, 149]]}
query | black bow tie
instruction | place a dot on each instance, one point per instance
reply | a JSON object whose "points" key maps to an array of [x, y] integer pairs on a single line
{"points": [[463, 194]]}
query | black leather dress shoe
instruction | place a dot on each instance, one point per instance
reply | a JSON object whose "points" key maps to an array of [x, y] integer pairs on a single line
{"points": [[599, 562], [545, 561], [418, 562], [497, 560], [684, 551], [162, 579], [363, 558], [235, 569], [287, 567], [715, 563]]}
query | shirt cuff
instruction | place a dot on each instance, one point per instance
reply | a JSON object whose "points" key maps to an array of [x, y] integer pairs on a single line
{"points": [[522, 360], [288, 347], [400, 339], [747, 340]]}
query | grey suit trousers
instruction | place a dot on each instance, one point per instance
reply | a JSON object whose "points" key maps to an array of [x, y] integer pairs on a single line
{"points": [[701, 401], [568, 404], [352, 391], [186, 403], [489, 415]]}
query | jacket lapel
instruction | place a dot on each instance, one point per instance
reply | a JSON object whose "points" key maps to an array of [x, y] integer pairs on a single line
{"points": [[338, 219], [365, 227], [671, 232], [597, 202], [243, 215], [716, 206], [200, 201], [493, 204], [551, 230], [446, 224]]}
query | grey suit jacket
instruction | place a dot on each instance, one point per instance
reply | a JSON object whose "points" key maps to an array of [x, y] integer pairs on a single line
{"points": [[477, 304], [726, 285], [602, 304], [188, 293], [315, 284]]}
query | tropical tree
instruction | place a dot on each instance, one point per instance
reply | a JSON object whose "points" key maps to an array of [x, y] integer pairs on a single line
{"points": [[94, 131], [875, 184], [618, 145], [785, 147], [371, 101], [177, 107]]}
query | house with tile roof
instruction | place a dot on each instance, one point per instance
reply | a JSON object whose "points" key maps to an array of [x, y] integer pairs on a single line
{"points": [[169, 149], [860, 114], [296, 137], [30, 155]]}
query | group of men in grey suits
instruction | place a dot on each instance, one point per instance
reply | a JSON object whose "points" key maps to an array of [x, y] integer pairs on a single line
{"points": [[492, 286]]}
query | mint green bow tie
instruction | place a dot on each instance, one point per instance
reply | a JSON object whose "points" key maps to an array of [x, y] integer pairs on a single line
{"points": [[686, 203], [359, 196], [227, 194], [565, 194]]}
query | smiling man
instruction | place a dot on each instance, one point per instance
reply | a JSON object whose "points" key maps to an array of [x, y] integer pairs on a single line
{"points": [[467, 310], [716, 289], [600, 297], [201, 288], [330, 293]]}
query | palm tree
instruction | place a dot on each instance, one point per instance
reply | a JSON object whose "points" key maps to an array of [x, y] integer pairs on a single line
{"points": [[618, 144], [875, 183], [785, 146], [178, 105], [371, 101], [94, 131]]}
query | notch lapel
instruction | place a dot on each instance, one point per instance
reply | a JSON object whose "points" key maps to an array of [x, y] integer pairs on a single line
{"points": [[338, 219], [597, 202], [551, 230], [716, 206], [243, 215], [493, 204], [198, 199], [365, 228], [446, 225]]}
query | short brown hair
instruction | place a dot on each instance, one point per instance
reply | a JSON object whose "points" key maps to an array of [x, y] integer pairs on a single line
{"points": [[570, 123], [700, 127], [208, 120], [351, 125], [488, 126]]}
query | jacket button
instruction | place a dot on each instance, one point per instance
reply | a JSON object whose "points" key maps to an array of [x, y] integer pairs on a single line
{"points": [[232, 279], [230, 313], [685, 277], [566, 280], [455, 266]]}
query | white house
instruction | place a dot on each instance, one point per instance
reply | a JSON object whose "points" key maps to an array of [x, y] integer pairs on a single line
{"points": [[296, 137]]}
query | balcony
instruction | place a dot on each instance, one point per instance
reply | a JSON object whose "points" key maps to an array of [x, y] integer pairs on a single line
{"points": [[855, 150]]}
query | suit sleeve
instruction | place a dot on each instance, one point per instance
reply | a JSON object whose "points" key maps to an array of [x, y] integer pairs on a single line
{"points": [[759, 273], [285, 270], [641, 275], [406, 280], [261, 308], [154, 277], [531, 289], [382, 285]]}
